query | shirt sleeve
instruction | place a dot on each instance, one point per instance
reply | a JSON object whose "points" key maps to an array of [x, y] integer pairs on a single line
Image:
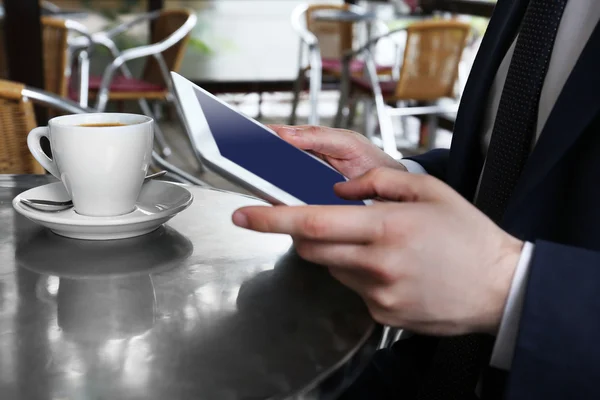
{"points": [[413, 167], [504, 346]]}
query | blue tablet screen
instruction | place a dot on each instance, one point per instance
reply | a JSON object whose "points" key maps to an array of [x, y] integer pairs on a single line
{"points": [[270, 157]]}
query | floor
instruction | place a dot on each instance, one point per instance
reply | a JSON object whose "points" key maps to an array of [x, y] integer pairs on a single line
{"points": [[275, 108]]}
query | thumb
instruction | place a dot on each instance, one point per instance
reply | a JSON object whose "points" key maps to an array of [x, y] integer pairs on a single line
{"points": [[394, 185], [335, 143]]}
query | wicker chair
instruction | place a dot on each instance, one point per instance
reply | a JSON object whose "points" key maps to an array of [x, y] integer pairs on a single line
{"points": [[327, 42], [55, 45], [169, 40], [59, 57], [428, 73], [17, 119]]}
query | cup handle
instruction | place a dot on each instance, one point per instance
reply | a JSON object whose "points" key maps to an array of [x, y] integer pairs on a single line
{"points": [[33, 142]]}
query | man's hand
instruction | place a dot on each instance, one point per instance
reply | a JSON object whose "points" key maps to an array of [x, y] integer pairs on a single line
{"points": [[349, 152], [427, 261]]}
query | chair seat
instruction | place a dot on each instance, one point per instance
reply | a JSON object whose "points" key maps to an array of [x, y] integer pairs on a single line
{"points": [[388, 88], [334, 66], [120, 84]]}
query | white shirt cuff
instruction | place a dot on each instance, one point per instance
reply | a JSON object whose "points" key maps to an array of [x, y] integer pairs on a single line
{"points": [[504, 347], [413, 167]]}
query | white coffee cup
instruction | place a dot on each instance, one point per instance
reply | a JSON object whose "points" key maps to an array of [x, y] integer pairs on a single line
{"points": [[102, 167]]}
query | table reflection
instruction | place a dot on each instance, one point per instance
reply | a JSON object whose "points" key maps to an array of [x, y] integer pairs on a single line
{"points": [[49, 254], [97, 310], [96, 305]]}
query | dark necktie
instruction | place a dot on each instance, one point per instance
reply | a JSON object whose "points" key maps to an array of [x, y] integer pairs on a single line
{"points": [[459, 361]]}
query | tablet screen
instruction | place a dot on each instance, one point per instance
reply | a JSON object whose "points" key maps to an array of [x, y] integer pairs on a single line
{"points": [[266, 155]]}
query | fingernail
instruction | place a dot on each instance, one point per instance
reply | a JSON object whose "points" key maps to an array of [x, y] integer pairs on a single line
{"points": [[240, 219]]}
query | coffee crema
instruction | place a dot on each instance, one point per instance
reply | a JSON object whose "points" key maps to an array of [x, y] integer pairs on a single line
{"points": [[103, 124]]}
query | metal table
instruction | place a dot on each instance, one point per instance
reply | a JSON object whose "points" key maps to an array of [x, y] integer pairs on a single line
{"points": [[198, 309]]}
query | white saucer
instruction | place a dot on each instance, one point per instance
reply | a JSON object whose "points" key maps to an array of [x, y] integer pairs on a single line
{"points": [[158, 202]]}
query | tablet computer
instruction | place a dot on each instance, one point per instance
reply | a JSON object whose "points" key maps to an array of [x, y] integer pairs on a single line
{"points": [[253, 156]]}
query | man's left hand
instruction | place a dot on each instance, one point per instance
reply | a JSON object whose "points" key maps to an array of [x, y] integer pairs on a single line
{"points": [[426, 260]]}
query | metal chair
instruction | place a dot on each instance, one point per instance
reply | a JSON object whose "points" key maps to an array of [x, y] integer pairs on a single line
{"points": [[325, 43], [49, 7], [17, 118], [428, 74], [170, 34]]}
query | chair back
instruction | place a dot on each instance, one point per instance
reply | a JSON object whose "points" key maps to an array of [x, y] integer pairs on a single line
{"points": [[55, 46], [335, 38], [165, 25], [17, 118], [431, 59]]}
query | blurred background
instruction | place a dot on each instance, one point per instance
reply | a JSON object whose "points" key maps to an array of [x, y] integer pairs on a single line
{"points": [[392, 70]]}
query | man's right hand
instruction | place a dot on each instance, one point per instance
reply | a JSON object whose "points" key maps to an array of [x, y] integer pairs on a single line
{"points": [[349, 152]]}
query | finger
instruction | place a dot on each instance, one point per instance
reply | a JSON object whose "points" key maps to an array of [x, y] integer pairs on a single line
{"points": [[354, 224], [364, 260], [336, 143], [392, 184], [332, 254]]}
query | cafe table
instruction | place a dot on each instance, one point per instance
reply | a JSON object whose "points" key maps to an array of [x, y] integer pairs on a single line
{"points": [[198, 309]]}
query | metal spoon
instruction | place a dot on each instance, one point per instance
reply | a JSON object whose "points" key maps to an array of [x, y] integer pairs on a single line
{"points": [[53, 206]]}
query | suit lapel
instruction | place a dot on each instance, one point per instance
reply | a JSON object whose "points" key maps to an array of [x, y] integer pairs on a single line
{"points": [[576, 107], [466, 158]]}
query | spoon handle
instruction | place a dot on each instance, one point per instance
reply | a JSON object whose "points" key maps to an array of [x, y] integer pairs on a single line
{"points": [[155, 175], [48, 202]]}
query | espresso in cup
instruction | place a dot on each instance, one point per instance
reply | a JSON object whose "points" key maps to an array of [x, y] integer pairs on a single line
{"points": [[102, 159], [103, 124]]}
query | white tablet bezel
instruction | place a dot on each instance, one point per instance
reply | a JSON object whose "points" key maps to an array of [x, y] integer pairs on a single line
{"points": [[208, 150]]}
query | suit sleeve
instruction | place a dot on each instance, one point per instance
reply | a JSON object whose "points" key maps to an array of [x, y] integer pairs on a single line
{"points": [[557, 352], [435, 162]]}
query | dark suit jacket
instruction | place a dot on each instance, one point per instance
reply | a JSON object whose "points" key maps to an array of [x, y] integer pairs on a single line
{"points": [[556, 205]]}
